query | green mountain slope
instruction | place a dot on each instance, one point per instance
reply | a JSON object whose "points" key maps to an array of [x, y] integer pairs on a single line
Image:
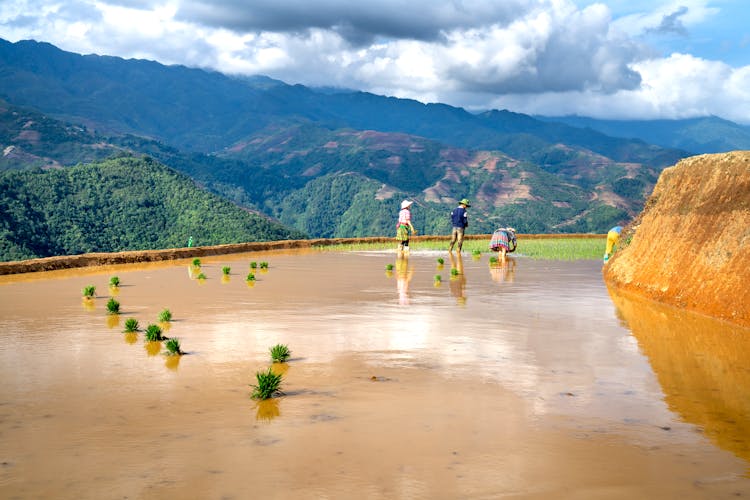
{"points": [[115, 205], [349, 183], [30, 140]]}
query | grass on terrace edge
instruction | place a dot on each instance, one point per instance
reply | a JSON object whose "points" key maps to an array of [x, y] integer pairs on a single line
{"points": [[547, 248]]}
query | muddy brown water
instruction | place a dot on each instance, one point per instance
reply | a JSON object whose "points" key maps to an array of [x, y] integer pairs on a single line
{"points": [[528, 381]]}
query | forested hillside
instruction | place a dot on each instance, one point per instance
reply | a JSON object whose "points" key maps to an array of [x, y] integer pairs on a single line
{"points": [[119, 204]]}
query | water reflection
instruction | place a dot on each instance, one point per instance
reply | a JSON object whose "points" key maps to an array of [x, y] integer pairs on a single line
{"points": [[172, 362], [267, 409], [130, 337], [113, 320], [152, 347], [458, 278], [88, 304], [280, 368], [404, 274], [502, 272], [701, 365], [225, 279]]}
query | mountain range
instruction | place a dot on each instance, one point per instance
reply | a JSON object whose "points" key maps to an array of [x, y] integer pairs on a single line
{"points": [[325, 163]]}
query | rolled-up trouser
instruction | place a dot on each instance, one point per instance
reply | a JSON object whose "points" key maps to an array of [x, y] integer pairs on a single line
{"points": [[457, 236]]}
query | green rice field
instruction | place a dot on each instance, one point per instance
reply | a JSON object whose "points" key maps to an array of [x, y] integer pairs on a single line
{"points": [[562, 248]]}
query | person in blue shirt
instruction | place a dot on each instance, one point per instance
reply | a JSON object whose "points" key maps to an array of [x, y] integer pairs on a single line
{"points": [[460, 221], [613, 236]]}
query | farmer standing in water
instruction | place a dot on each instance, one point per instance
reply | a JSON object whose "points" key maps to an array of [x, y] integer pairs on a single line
{"points": [[460, 221], [404, 226]]}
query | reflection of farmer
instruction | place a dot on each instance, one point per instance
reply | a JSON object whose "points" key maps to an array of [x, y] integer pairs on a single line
{"points": [[404, 273], [613, 236], [403, 227], [458, 278], [460, 221], [503, 241], [505, 272]]}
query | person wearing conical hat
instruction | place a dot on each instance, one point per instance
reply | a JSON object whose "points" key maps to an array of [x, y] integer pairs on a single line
{"points": [[459, 221], [404, 226]]}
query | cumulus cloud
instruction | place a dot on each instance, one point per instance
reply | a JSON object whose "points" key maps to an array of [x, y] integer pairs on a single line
{"points": [[357, 22], [679, 86]]}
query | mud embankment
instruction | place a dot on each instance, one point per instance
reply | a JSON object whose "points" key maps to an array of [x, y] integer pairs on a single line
{"points": [[690, 247], [130, 257]]}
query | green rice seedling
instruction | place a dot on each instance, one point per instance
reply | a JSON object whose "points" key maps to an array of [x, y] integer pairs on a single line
{"points": [[114, 281], [153, 333], [280, 353], [165, 316], [250, 277], [131, 325], [173, 347], [269, 385], [201, 276], [264, 265], [89, 291], [196, 263], [389, 267], [441, 261], [493, 260], [438, 278], [226, 270], [476, 251], [253, 265], [454, 272], [113, 307]]}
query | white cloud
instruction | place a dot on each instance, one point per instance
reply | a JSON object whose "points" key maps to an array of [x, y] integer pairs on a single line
{"points": [[539, 56], [680, 86]]}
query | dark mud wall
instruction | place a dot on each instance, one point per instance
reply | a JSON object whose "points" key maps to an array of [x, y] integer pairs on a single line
{"points": [[690, 246]]}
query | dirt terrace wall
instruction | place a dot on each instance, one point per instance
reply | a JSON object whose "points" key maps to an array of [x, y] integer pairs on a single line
{"points": [[102, 259], [690, 246]]}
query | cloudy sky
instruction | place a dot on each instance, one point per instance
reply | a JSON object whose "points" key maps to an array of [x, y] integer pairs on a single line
{"points": [[628, 59]]}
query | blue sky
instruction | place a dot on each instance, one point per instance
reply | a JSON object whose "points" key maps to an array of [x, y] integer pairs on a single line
{"points": [[721, 33], [616, 59]]}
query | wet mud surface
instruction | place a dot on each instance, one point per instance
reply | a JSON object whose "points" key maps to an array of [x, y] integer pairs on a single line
{"points": [[528, 381]]}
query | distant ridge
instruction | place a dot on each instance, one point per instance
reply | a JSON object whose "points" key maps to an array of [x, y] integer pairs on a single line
{"points": [[709, 134]]}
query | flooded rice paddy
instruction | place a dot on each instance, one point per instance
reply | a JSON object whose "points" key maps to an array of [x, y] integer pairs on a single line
{"points": [[526, 381]]}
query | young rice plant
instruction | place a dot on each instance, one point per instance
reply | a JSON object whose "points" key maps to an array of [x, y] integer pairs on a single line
{"points": [[131, 325], [280, 353], [173, 347], [269, 385], [113, 307], [153, 333], [165, 316]]}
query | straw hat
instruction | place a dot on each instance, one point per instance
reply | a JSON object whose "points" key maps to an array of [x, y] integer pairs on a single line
{"points": [[464, 202], [406, 204]]}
